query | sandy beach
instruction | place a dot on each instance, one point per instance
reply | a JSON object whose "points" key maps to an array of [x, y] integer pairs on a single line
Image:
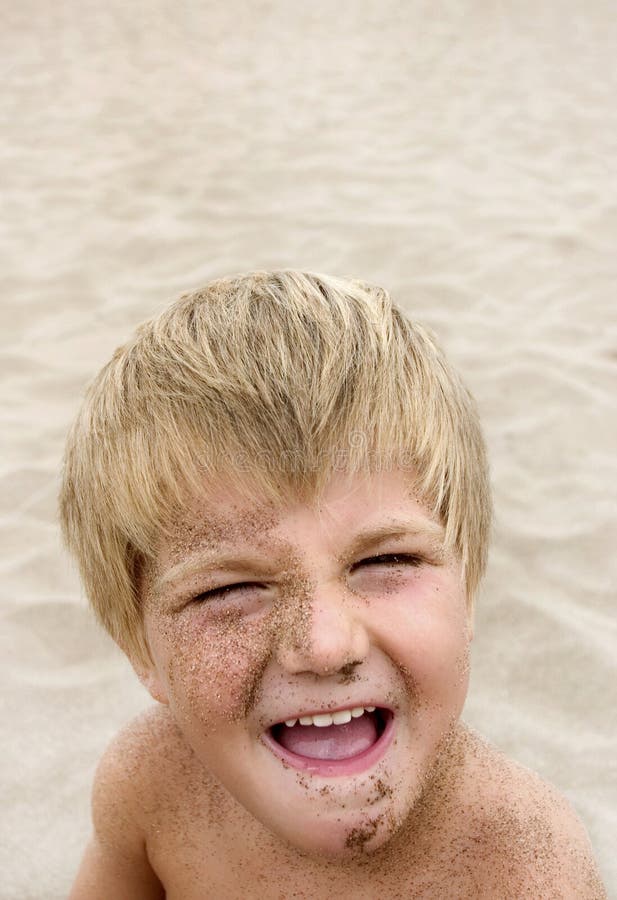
{"points": [[464, 156]]}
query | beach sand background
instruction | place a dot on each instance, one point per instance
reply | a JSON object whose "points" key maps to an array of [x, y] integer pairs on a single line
{"points": [[461, 154]]}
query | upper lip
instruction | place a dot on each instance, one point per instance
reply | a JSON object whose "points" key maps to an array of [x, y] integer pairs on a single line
{"points": [[350, 704]]}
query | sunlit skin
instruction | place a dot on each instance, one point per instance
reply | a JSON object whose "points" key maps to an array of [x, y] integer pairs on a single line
{"points": [[259, 613], [349, 600]]}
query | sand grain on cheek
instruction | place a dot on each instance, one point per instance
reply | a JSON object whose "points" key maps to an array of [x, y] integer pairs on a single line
{"points": [[217, 656], [216, 665]]}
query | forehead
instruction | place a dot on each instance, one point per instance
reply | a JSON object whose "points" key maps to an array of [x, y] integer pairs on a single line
{"points": [[225, 516], [217, 520]]}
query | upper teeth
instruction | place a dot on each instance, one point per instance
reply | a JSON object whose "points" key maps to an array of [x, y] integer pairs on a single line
{"points": [[321, 720]]}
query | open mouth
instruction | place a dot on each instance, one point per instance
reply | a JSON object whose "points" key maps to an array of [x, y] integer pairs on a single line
{"points": [[343, 742]]}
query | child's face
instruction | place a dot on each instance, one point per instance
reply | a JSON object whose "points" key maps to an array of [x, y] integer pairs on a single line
{"points": [[257, 615]]}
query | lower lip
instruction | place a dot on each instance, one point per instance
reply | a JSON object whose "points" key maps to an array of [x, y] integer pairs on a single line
{"points": [[354, 765]]}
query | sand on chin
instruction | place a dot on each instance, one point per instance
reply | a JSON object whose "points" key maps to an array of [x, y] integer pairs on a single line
{"points": [[464, 157]]}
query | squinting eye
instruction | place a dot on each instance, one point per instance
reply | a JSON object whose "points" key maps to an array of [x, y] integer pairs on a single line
{"points": [[225, 590], [390, 559]]}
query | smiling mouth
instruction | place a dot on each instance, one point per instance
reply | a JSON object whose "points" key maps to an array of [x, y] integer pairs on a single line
{"points": [[340, 743]]}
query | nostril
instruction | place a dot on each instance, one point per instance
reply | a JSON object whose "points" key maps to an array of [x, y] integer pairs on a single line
{"points": [[348, 668], [346, 673]]}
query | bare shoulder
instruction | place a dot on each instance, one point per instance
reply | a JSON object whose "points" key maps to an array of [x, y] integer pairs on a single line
{"points": [[160, 818], [135, 770], [530, 836], [116, 861]]}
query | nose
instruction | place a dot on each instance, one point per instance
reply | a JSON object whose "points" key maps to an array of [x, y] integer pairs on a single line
{"points": [[326, 634]]}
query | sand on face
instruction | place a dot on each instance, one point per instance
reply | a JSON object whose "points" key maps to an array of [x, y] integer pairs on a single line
{"points": [[463, 159]]}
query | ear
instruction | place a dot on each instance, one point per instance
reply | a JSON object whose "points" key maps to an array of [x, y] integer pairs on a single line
{"points": [[152, 682]]}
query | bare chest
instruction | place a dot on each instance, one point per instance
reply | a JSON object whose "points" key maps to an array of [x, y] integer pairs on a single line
{"points": [[228, 857]]}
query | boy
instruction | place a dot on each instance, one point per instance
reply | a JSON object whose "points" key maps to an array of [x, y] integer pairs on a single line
{"points": [[278, 497]]}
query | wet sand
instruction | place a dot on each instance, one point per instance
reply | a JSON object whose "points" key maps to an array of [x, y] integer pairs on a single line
{"points": [[462, 158]]}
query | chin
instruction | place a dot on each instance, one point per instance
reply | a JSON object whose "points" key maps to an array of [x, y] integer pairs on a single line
{"points": [[343, 823], [343, 838]]}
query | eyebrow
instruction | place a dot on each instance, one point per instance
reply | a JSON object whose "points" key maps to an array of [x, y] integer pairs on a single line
{"points": [[210, 562], [396, 528], [218, 561]]}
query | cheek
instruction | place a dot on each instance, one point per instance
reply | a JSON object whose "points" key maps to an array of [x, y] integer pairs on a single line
{"points": [[424, 625], [214, 668]]}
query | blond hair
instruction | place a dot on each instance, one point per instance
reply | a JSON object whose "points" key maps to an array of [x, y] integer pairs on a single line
{"points": [[276, 379]]}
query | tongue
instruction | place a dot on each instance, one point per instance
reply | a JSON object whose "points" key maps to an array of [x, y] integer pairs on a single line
{"points": [[331, 742]]}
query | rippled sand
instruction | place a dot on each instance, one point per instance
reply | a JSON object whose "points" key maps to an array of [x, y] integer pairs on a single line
{"points": [[465, 159]]}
